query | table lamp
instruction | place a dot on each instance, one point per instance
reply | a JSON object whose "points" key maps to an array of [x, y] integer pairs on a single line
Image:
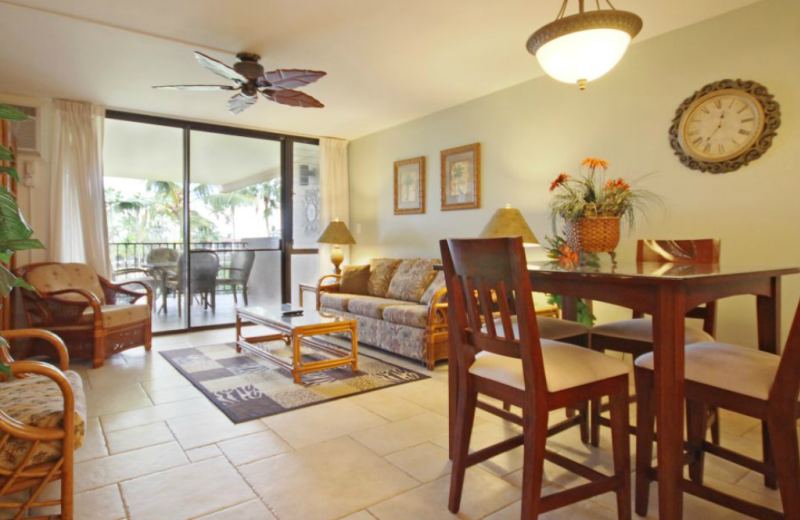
{"points": [[509, 222], [338, 235]]}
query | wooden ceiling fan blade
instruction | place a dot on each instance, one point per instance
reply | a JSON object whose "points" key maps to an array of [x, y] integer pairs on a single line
{"points": [[239, 103], [292, 78], [217, 67], [293, 98], [197, 88]]}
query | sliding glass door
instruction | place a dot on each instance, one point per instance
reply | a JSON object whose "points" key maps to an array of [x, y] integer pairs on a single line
{"points": [[211, 217]]}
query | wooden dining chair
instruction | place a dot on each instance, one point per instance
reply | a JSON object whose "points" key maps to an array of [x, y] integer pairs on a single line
{"points": [[635, 336], [746, 381], [486, 277]]}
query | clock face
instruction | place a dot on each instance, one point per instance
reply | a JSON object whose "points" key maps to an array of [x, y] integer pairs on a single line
{"points": [[721, 125]]}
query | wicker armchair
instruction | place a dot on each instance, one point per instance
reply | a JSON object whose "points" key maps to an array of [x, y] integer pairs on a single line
{"points": [[94, 317], [42, 422]]}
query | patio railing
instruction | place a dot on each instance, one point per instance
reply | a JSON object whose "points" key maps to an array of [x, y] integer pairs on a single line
{"points": [[133, 254]]}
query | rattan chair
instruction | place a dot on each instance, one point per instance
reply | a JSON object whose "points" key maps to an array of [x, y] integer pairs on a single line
{"points": [[202, 279], [238, 273], [95, 318], [42, 422]]}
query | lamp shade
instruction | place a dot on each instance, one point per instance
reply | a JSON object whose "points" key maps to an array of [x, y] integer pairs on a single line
{"points": [[509, 222], [336, 233]]}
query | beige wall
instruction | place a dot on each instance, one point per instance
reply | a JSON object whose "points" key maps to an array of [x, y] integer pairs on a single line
{"points": [[531, 132]]}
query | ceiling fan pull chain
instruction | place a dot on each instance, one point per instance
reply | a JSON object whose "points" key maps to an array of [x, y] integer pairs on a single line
{"points": [[611, 5], [563, 10]]}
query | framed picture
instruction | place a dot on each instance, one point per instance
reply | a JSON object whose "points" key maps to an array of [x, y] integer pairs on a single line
{"points": [[461, 177], [409, 186]]}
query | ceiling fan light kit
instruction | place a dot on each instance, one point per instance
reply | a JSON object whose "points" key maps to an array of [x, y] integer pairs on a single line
{"points": [[583, 47], [250, 79]]}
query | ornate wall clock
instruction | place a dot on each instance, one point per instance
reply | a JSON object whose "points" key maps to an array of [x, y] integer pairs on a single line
{"points": [[724, 126]]}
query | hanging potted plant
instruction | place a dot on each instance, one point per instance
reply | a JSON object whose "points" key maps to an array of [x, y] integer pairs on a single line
{"points": [[594, 208], [15, 234]]}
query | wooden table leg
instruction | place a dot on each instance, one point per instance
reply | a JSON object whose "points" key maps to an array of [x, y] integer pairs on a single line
{"points": [[238, 333], [768, 310], [452, 387], [354, 347], [668, 335], [296, 338]]}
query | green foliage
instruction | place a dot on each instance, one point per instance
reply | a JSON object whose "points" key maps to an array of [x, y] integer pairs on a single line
{"points": [[5, 371], [15, 234]]}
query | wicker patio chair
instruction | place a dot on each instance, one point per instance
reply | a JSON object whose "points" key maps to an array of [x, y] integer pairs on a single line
{"points": [[42, 422], [95, 318], [238, 273]]}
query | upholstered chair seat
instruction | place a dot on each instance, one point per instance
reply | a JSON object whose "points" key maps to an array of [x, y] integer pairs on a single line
{"points": [[745, 371], [116, 315], [549, 328], [566, 366], [641, 329]]}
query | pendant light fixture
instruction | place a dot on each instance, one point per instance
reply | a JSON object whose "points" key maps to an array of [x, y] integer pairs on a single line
{"points": [[582, 47]]}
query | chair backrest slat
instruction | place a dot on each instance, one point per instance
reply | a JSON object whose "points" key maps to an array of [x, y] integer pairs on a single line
{"points": [[486, 278]]}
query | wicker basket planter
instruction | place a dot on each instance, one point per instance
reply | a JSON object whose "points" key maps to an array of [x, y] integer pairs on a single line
{"points": [[593, 234]]}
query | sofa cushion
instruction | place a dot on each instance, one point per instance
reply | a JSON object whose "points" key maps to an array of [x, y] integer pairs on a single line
{"points": [[381, 271], [337, 301], [410, 280], [116, 315], [355, 279], [37, 401], [372, 307], [57, 277], [413, 315], [435, 286]]}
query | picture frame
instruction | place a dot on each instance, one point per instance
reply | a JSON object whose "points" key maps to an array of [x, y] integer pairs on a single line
{"points": [[409, 186], [461, 177]]}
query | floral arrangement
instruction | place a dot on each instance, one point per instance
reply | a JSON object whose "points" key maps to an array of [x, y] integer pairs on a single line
{"points": [[592, 195], [559, 252]]}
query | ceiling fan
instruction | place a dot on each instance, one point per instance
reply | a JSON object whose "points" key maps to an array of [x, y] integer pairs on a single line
{"points": [[249, 77]]}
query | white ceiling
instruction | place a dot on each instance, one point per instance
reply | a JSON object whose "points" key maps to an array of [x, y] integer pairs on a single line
{"points": [[387, 61]]}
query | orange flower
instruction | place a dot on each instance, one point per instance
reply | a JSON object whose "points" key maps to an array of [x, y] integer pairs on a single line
{"points": [[617, 184], [594, 162], [561, 179], [569, 258]]}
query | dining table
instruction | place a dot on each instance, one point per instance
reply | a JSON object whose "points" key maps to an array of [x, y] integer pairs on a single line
{"points": [[666, 292]]}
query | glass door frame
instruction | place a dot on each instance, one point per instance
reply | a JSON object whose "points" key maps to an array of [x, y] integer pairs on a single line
{"points": [[287, 200]]}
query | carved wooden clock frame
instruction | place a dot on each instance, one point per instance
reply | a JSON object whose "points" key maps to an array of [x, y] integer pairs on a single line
{"points": [[772, 120]]}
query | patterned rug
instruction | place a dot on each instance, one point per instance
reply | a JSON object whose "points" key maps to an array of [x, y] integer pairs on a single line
{"points": [[246, 387]]}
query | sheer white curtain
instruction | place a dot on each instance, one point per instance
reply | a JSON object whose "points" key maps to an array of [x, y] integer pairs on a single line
{"points": [[78, 230], [334, 181]]}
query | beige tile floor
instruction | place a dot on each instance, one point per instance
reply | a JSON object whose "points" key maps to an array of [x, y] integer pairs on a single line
{"points": [[157, 449]]}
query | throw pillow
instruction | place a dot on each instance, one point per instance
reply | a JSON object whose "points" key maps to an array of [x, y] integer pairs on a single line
{"points": [[381, 271], [437, 283], [355, 280], [411, 279]]}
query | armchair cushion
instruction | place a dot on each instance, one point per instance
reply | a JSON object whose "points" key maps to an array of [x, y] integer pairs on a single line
{"points": [[116, 315], [381, 271], [411, 279], [58, 277], [37, 401]]}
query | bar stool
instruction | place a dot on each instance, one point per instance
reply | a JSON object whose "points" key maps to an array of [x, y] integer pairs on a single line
{"points": [[635, 336], [745, 381], [534, 374]]}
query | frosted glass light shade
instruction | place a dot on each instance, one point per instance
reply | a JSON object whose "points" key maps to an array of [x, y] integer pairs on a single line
{"points": [[583, 56]]}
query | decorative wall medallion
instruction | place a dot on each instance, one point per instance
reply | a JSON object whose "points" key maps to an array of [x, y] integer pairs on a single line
{"points": [[724, 126]]}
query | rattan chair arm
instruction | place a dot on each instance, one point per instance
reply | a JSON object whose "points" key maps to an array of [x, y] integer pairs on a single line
{"points": [[148, 292], [55, 341], [32, 433], [92, 299], [332, 287], [437, 305]]}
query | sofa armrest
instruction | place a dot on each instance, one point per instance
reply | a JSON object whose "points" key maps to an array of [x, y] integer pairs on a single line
{"points": [[324, 286], [438, 308], [55, 341]]}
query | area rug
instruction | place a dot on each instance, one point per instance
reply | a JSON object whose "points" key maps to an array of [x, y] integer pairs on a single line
{"points": [[246, 387]]}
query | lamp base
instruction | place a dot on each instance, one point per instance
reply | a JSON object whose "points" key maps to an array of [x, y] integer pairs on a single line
{"points": [[337, 257]]}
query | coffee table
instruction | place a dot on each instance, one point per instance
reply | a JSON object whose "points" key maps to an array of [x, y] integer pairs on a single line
{"points": [[308, 329]]}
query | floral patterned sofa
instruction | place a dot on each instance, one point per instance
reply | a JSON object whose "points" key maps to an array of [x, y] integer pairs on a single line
{"points": [[403, 309]]}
